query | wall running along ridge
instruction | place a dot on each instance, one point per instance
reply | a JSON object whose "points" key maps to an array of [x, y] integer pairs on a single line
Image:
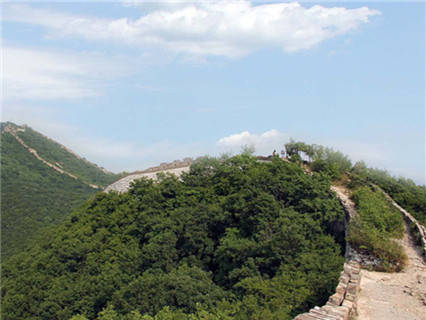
{"points": [[176, 167], [342, 305], [411, 221], [34, 152]]}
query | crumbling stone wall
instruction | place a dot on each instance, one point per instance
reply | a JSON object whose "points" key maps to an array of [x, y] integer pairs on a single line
{"points": [[342, 305]]}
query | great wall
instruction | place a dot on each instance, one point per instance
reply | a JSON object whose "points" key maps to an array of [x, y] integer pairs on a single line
{"points": [[360, 294], [176, 167], [356, 296], [57, 167]]}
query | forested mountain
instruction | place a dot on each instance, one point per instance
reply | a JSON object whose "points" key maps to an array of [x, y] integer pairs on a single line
{"points": [[233, 238], [34, 191]]}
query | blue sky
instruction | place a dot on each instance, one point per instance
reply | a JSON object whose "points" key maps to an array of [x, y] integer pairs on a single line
{"points": [[130, 85]]}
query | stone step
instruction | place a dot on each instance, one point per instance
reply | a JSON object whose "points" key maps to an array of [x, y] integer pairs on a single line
{"points": [[336, 311], [310, 316], [325, 313], [305, 316]]}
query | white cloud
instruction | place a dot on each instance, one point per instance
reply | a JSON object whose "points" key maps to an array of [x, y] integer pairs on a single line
{"points": [[231, 29], [41, 74], [264, 143]]}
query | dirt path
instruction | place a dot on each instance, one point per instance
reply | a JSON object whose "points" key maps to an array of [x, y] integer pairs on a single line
{"points": [[399, 296]]}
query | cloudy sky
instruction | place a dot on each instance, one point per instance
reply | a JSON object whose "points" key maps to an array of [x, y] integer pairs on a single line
{"points": [[131, 84]]}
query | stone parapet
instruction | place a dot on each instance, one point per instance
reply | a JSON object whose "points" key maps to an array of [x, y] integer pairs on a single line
{"points": [[342, 304], [123, 185], [415, 226], [176, 167]]}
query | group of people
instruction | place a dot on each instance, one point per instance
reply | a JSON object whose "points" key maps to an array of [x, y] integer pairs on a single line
{"points": [[283, 153]]}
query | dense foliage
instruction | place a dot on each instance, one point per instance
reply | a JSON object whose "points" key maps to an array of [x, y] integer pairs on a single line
{"points": [[320, 159], [234, 238], [373, 230], [33, 195]]}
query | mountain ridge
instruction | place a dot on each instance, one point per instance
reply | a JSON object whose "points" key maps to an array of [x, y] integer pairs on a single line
{"points": [[41, 184], [28, 138], [34, 152]]}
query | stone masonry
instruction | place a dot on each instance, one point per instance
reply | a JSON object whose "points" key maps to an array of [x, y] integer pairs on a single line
{"points": [[123, 184], [418, 227], [342, 305]]}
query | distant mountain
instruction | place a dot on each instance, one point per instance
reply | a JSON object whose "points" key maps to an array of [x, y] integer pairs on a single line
{"points": [[41, 182]]}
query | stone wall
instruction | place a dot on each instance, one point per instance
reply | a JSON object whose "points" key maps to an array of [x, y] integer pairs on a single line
{"points": [[167, 166], [176, 167], [123, 184], [342, 305], [57, 167], [415, 227]]}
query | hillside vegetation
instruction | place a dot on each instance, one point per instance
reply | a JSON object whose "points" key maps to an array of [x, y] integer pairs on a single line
{"points": [[404, 191], [55, 153], [34, 195], [233, 239], [378, 223]]}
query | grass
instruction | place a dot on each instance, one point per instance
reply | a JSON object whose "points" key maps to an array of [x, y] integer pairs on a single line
{"points": [[375, 229]]}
